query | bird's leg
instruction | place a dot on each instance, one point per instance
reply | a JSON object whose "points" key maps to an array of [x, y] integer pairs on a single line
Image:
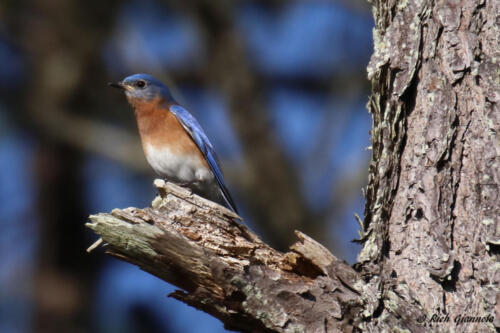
{"points": [[184, 184], [188, 185]]}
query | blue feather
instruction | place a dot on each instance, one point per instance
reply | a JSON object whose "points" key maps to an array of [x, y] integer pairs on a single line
{"points": [[194, 129]]}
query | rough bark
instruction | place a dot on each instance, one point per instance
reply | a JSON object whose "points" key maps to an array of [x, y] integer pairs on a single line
{"points": [[226, 270], [432, 203], [430, 234]]}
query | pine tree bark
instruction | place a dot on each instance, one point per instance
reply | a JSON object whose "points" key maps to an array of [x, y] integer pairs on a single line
{"points": [[432, 206], [431, 233]]}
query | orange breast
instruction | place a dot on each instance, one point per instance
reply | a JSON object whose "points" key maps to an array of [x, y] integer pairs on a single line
{"points": [[160, 128]]}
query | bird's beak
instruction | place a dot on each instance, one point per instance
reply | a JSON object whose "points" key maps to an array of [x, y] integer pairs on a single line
{"points": [[118, 85]]}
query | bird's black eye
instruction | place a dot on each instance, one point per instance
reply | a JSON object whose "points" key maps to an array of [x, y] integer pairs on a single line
{"points": [[140, 84]]}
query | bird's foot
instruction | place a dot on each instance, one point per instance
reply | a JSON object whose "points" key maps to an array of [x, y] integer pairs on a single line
{"points": [[184, 184]]}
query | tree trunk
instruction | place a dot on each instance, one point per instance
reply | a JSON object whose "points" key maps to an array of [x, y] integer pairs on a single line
{"points": [[432, 203], [431, 233]]}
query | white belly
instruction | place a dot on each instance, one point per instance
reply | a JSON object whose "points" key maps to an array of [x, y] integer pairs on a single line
{"points": [[178, 168]]}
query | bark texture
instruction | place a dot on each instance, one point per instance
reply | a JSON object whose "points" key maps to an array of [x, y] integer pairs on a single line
{"points": [[225, 270], [431, 235], [432, 209]]}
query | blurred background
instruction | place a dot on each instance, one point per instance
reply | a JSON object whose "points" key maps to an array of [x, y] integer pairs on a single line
{"points": [[279, 87]]}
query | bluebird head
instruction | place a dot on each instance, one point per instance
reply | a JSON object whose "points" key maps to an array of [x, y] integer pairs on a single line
{"points": [[143, 87]]}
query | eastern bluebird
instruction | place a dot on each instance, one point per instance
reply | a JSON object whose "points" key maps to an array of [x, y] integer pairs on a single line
{"points": [[173, 141]]}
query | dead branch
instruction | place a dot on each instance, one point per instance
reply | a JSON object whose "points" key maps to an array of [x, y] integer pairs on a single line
{"points": [[226, 270]]}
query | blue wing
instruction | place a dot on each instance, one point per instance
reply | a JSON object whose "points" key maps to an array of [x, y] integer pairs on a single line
{"points": [[194, 129]]}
